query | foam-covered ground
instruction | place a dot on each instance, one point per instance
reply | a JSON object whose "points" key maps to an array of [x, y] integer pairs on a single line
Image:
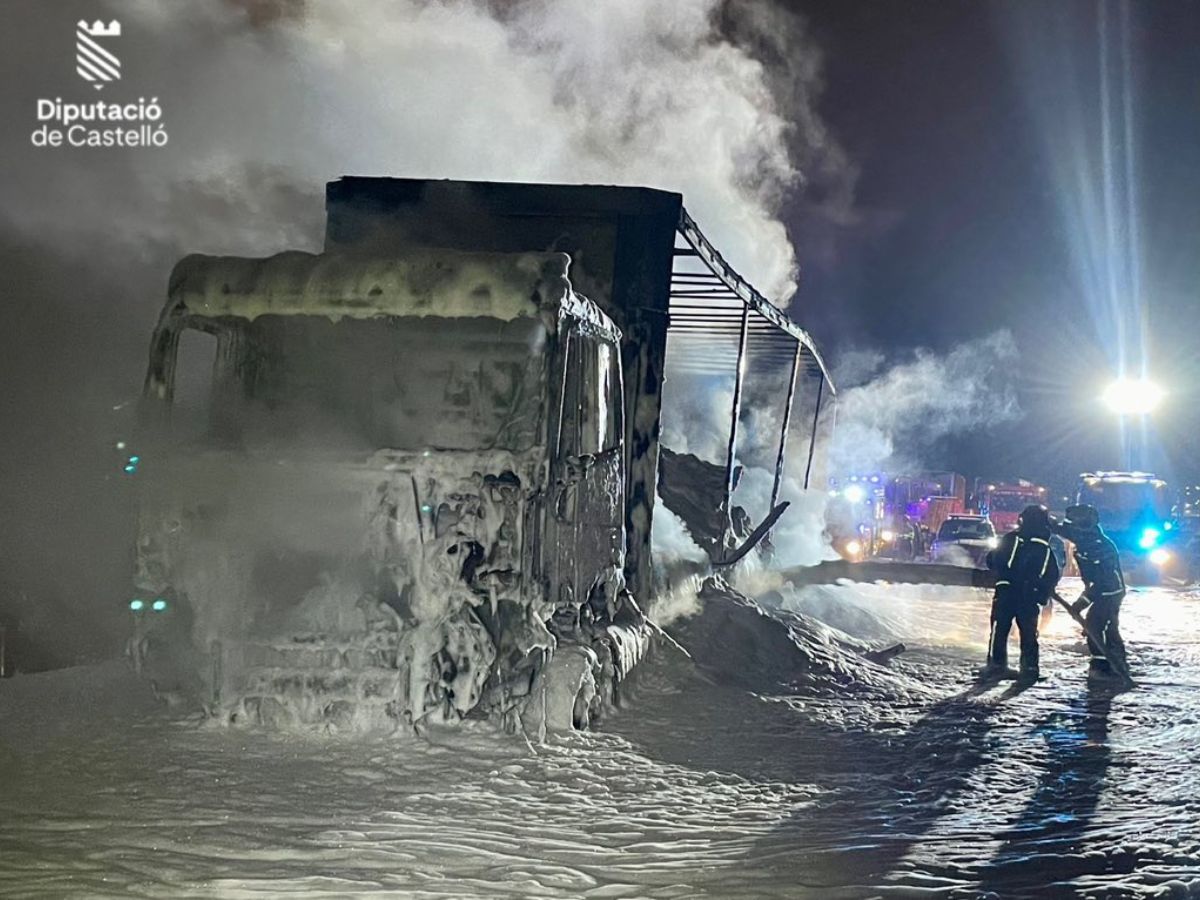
{"points": [[857, 779]]}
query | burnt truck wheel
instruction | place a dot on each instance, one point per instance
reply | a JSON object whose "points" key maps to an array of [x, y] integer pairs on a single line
{"points": [[565, 695]]}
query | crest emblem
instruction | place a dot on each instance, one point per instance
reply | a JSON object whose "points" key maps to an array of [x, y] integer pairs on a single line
{"points": [[96, 64]]}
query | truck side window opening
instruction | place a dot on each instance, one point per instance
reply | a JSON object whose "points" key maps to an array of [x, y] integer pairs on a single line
{"points": [[590, 410], [195, 366], [590, 397], [609, 399], [572, 442]]}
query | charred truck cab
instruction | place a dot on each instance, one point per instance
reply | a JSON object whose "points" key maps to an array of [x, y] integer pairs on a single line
{"points": [[403, 492], [412, 478]]}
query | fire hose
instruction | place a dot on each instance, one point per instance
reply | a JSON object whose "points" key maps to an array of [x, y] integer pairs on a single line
{"points": [[1117, 665]]}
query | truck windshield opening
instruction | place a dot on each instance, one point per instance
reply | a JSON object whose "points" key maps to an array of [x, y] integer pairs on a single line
{"points": [[395, 383]]}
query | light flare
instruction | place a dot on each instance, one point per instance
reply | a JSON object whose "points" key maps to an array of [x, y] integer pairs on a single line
{"points": [[1133, 396]]}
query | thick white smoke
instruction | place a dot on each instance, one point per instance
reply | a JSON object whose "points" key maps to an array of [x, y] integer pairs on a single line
{"points": [[887, 419], [265, 101], [695, 416], [891, 421]]}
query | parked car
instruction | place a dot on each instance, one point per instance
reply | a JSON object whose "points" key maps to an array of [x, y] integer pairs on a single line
{"points": [[964, 541]]}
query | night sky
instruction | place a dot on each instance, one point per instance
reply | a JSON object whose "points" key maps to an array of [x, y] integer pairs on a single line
{"points": [[957, 117]]}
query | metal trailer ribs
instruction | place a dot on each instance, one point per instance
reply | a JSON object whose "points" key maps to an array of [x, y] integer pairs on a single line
{"points": [[720, 325]]}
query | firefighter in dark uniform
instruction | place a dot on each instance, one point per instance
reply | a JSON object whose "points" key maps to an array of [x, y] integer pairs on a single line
{"points": [[1026, 573], [1104, 585]]}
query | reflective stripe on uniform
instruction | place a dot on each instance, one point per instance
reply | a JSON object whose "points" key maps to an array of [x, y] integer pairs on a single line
{"points": [[1005, 583], [1013, 555], [1046, 561], [1040, 541]]}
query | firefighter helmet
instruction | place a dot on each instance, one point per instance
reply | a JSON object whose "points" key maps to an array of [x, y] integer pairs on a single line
{"points": [[1034, 520], [1083, 516]]}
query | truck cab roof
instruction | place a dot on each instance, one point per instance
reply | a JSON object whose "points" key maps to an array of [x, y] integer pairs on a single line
{"points": [[419, 283]]}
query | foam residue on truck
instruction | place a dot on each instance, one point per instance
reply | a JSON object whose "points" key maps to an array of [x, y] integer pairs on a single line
{"points": [[396, 497]]}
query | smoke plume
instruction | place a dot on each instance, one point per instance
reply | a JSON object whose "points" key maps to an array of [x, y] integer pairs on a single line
{"points": [[265, 101], [890, 420]]}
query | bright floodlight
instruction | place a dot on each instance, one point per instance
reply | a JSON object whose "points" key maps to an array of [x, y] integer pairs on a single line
{"points": [[1133, 396]]}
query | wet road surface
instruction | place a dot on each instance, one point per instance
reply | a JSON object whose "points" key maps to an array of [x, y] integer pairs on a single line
{"points": [[925, 783]]}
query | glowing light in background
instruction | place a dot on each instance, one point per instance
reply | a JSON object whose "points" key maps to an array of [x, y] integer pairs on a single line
{"points": [[1079, 71], [1133, 396], [137, 605]]}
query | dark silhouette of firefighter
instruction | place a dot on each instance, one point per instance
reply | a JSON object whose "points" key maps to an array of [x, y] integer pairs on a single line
{"points": [[1104, 586], [1026, 574]]}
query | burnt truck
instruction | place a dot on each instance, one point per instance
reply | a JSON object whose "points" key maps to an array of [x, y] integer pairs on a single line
{"points": [[407, 480]]}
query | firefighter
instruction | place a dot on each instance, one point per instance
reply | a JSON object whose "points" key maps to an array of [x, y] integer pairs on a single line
{"points": [[1104, 586], [1026, 573]]}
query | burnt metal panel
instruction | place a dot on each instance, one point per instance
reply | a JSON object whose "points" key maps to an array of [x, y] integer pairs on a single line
{"points": [[621, 242], [624, 256]]}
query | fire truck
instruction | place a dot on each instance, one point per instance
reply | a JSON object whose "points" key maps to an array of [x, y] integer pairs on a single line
{"points": [[1002, 502], [895, 518], [855, 515], [1135, 511], [1187, 515], [929, 498]]}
